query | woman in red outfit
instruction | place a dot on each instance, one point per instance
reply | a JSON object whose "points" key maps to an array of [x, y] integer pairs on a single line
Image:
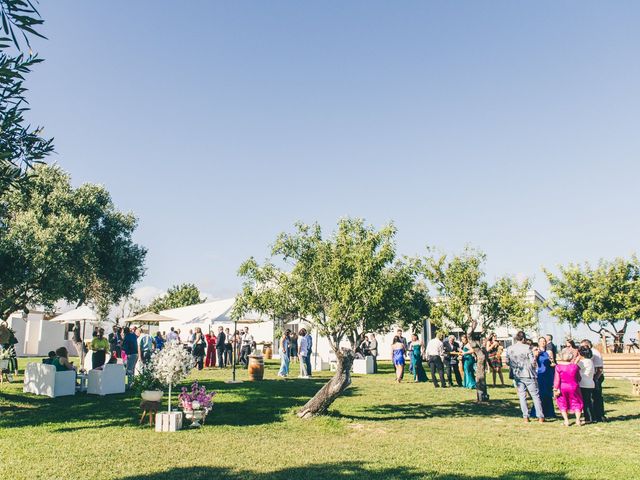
{"points": [[211, 350]]}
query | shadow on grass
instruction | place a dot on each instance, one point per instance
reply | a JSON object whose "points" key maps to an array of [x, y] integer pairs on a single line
{"points": [[258, 403], [420, 411], [339, 471]]}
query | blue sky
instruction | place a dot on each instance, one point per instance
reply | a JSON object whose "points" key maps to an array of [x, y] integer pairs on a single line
{"points": [[511, 126]]}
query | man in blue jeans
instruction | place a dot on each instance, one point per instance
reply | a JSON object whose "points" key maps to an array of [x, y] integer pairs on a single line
{"points": [[130, 347], [522, 363]]}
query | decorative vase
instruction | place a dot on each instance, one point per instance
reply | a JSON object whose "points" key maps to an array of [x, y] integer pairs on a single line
{"points": [[196, 416], [152, 395]]}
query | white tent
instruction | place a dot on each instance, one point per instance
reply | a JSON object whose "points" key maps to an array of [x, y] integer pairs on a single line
{"points": [[201, 314]]}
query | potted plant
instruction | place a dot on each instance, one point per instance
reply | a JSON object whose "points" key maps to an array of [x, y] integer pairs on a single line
{"points": [[196, 403], [171, 365], [148, 385]]}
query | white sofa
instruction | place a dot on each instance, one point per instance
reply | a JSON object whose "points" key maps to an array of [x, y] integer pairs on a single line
{"points": [[363, 365], [41, 379], [106, 381]]}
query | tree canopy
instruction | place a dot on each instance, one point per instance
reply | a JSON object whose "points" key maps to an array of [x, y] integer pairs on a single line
{"points": [[466, 300], [177, 296], [345, 284], [20, 144], [61, 243], [604, 298]]}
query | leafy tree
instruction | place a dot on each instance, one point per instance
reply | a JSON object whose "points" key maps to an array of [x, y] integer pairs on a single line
{"points": [[604, 298], [177, 296], [20, 145], [343, 285], [467, 301], [58, 242]]}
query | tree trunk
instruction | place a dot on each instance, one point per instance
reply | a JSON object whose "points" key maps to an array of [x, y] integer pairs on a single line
{"points": [[321, 401]]}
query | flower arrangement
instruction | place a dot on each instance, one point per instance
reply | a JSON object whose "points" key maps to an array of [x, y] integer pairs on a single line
{"points": [[197, 398], [171, 365]]}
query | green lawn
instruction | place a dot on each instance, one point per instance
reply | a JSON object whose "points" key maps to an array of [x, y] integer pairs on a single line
{"points": [[378, 429]]}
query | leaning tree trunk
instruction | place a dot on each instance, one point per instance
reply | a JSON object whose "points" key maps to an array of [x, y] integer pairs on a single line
{"points": [[332, 389]]}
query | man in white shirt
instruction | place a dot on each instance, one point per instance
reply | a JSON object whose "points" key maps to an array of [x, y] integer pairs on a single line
{"points": [[245, 347], [598, 378], [172, 336], [303, 352], [435, 352]]}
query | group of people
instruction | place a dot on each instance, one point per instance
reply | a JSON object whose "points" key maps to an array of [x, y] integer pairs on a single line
{"points": [[572, 376], [296, 346], [225, 343]]}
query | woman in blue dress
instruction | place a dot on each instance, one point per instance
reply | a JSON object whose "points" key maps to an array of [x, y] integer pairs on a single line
{"points": [[546, 373], [285, 346], [468, 364], [398, 357], [416, 347]]}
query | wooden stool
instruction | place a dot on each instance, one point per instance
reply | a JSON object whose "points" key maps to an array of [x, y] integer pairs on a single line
{"points": [[150, 408], [635, 386]]}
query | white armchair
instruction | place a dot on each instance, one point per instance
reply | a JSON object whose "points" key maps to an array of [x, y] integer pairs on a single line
{"points": [[106, 381], [41, 379]]}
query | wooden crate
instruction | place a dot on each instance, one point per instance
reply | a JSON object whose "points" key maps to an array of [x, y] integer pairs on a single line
{"points": [[168, 422]]}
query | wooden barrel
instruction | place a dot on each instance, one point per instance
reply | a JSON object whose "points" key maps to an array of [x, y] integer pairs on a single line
{"points": [[256, 368], [267, 352]]}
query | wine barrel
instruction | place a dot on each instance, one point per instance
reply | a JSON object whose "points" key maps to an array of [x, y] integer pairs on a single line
{"points": [[256, 368], [267, 352]]}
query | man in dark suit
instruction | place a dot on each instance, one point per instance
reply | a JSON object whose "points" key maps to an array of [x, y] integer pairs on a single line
{"points": [[451, 360], [220, 341]]}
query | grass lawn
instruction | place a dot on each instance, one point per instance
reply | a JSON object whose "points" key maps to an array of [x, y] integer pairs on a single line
{"points": [[378, 429]]}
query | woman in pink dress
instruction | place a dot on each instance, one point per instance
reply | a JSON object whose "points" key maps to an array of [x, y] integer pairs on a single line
{"points": [[566, 387]]}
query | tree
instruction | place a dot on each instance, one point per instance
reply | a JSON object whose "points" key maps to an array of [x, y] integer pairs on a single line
{"points": [[605, 298], [176, 297], [467, 301], [20, 145], [58, 243], [342, 285]]}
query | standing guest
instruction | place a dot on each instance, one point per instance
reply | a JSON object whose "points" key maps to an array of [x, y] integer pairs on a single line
{"points": [[210, 361], [293, 355], [373, 350], [221, 342], [551, 347], [494, 351], [159, 340], [130, 348], [571, 346], [245, 347], [416, 347], [468, 363], [199, 349], [598, 378], [587, 384], [398, 351], [406, 347], [451, 354], [115, 341], [78, 341], [435, 353], [228, 347], [546, 373], [172, 336], [192, 337], [522, 362], [566, 386], [237, 342], [145, 346], [178, 336], [303, 351], [479, 346], [309, 353], [100, 347], [285, 349]]}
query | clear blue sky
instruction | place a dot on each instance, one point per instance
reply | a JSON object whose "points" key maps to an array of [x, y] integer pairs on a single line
{"points": [[511, 126]]}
